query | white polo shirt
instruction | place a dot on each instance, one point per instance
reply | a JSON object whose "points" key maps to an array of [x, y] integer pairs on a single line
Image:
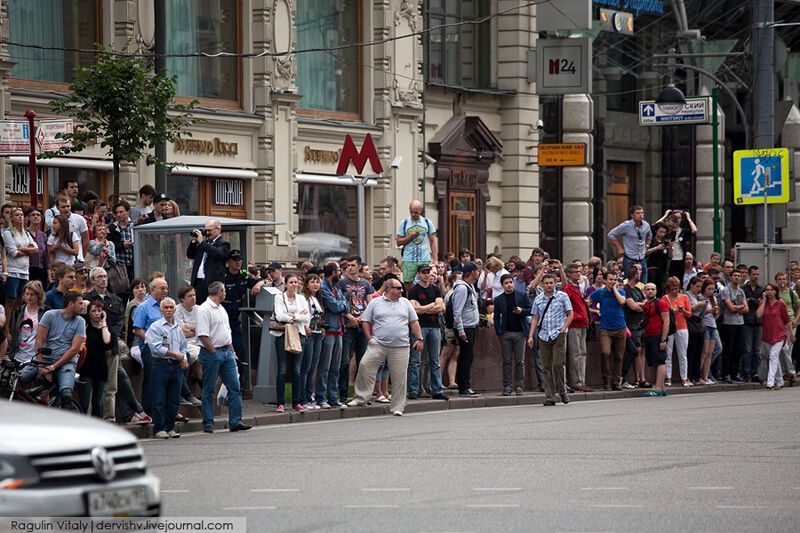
{"points": [[212, 322]]}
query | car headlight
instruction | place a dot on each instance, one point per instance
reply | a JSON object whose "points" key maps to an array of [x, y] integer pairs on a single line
{"points": [[16, 472]]}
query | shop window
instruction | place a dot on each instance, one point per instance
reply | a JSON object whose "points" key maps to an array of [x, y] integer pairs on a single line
{"points": [[217, 197], [620, 195], [55, 25], [209, 26], [328, 222], [185, 190], [329, 81], [88, 180], [459, 55], [462, 221]]}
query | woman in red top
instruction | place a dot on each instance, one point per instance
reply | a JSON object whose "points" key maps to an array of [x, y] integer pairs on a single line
{"points": [[774, 321], [681, 308]]}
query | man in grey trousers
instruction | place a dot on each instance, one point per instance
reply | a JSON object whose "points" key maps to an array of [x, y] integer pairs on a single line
{"points": [[510, 312]]}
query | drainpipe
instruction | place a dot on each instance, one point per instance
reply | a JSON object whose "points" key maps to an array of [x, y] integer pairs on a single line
{"points": [[683, 23]]}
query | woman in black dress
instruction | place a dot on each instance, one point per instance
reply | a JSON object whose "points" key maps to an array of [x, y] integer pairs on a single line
{"points": [[94, 371]]}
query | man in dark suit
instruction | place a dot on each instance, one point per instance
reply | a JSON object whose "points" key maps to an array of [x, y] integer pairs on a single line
{"points": [[511, 311], [210, 253]]}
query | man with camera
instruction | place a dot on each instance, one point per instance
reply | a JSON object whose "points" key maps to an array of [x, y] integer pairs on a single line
{"points": [[210, 253]]}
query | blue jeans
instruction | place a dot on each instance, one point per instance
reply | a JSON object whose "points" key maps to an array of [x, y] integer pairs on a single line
{"points": [[91, 391], [352, 340], [311, 351], [280, 375], [166, 382], [64, 375], [147, 370], [221, 364], [628, 262], [751, 358], [328, 370], [432, 341]]}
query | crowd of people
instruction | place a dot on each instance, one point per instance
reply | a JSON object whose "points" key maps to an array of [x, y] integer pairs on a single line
{"points": [[410, 329]]}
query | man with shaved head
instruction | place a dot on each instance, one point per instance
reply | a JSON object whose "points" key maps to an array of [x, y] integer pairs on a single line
{"points": [[416, 236]]}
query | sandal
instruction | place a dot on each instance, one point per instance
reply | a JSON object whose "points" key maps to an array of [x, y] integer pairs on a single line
{"points": [[181, 418], [382, 399]]}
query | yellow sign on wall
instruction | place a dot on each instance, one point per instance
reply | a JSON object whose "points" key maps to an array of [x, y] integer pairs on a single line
{"points": [[760, 172], [562, 155]]}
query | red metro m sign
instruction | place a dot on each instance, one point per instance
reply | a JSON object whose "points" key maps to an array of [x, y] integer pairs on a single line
{"points": [[359, 159]]}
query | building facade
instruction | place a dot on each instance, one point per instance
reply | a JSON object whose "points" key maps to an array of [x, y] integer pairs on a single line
{"points": [[419, 78]]}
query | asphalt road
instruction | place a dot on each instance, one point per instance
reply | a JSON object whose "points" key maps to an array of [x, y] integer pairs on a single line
{"points": [[696, 462]]}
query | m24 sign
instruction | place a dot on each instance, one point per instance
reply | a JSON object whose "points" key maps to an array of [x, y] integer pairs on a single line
{"points": [[563, 66]]}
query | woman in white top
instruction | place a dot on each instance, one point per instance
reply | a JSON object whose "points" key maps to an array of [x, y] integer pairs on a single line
{"points": [[291, 308], [19, 247], [63, 244], [489, 281]]}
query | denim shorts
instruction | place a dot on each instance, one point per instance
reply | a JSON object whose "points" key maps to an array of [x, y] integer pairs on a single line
{"points": [[14, 287], [711, 334]]}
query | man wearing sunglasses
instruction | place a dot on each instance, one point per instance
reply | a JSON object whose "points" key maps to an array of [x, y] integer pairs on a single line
{"points": [[386, 322], [635, 234]]}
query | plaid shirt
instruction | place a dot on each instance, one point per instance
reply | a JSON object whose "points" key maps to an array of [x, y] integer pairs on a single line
{"points": [[556, 314], [125, 256]]}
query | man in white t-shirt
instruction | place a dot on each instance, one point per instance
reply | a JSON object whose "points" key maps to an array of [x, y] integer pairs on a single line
{"points": [[77, 225]]}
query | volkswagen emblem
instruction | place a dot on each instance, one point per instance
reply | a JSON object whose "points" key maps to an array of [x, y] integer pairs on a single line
{"points": [[103, 464]]}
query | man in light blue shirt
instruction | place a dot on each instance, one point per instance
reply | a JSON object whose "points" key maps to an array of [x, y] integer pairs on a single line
{"points": [[635, 234], [552, 315], [168, 346], [148, 312], [416, 235]]}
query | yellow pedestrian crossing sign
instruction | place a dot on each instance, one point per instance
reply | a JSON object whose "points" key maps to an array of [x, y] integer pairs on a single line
{"points": [[760, 172]]}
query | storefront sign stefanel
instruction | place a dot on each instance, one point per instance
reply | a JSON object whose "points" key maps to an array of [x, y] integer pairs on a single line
{"points": [[314, 155], [215, 146]]}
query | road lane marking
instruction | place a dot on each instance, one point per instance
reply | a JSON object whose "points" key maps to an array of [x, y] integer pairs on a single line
{"points": [[741, 506], [174, 491], [604, 488], [710, 488], [274, 490], [615, 505], [492, 505], [385, 489], [372, 506], [497, 489], [250, 508]]}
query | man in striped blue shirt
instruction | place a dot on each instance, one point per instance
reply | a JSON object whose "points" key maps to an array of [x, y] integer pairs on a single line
{"points": [[552, 315], [168, 346]]}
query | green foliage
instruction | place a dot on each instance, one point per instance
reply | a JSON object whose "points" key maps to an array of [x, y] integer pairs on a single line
{"points": [[119, 102]]}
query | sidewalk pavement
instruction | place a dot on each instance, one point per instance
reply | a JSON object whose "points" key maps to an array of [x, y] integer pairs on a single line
{"points": [[256, 413]]}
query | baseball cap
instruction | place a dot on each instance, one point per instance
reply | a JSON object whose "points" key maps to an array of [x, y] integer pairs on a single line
{"points": [[160, 197], [468, 267], [235, 255], [423, 268], [274, 266]]}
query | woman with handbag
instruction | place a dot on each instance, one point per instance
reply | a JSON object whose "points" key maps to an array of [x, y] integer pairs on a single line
{"points": [[101, 250], [696, 328], [775, 332], [314, 335], [289, 329]]}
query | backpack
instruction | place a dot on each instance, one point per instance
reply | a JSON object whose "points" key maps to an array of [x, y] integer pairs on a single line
{"points": [[672, 325], [405, 233], [448, 310]]}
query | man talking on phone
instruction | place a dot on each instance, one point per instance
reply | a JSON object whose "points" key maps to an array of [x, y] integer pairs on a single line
{"points": [[210, 253]]}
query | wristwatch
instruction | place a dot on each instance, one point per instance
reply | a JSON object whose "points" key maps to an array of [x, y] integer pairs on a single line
{"points": [[663, 340]]}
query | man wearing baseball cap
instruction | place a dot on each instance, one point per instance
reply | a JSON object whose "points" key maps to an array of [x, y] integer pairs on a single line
{"points": [[275, 275], [163, 209], [237, 284]]}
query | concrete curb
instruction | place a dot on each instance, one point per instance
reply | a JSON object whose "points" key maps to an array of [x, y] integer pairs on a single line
{"points": [[492, 399]]}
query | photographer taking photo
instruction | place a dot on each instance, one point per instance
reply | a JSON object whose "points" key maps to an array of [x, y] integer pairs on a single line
{"points": [[210, 252]]}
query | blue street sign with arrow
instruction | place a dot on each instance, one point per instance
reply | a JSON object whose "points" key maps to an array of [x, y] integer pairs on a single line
{"points": [[694, 111]]}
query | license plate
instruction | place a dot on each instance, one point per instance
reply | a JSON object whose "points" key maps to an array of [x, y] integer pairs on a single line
{"points": [[109, 502]]}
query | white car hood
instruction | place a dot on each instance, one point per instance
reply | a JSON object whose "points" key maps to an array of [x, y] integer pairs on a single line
{"points": [[27, 429]]}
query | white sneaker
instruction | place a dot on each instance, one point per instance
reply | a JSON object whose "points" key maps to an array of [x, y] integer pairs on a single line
{"points": [[353, 403], [397, 413], [627, 385], [174, 435], [161, 435], [324, 405]]}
